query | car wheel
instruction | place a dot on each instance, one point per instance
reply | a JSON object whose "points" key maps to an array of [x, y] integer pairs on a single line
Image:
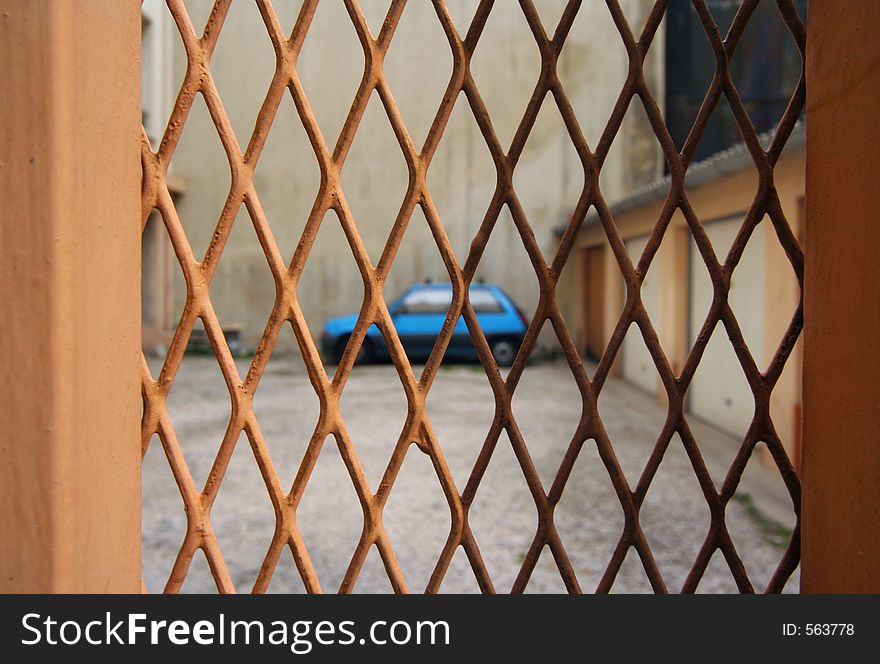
{"points": [[503, 351], [365, 355]]}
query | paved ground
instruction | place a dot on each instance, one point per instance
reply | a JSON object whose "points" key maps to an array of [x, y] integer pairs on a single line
{"points": [[547, 406]]}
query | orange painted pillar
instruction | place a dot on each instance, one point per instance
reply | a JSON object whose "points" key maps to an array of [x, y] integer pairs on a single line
{"points": [[70, 296], [841, 448]]}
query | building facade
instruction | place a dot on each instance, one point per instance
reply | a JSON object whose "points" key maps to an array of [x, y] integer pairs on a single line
{"points": [[721, 185], [677, 290]]}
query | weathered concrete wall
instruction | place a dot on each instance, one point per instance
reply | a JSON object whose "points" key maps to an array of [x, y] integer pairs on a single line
{"points": [[462, 177]]}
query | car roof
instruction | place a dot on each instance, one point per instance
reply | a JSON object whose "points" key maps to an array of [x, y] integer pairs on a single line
{"points": [[446, 285]]}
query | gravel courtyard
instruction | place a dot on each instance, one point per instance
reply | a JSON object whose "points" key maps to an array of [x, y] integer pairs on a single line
{"points": [[503, 517]]}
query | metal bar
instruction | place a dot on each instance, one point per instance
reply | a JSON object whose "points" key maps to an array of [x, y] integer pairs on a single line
{"points": [[841, 448], [70, 179]]}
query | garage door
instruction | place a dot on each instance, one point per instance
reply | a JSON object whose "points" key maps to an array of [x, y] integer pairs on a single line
{"points": [[719, 393], [595, 304], [638, 366]]}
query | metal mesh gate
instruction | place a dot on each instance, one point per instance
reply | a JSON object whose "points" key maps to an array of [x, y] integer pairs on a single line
{"points": [[417, 429]]}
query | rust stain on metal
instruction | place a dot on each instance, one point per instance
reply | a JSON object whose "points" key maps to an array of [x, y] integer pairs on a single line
{"points": [[417, 429]]}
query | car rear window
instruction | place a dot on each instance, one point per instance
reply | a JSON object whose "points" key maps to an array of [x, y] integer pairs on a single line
{"points": [[485, 302], [438, 301], [427, 301]]}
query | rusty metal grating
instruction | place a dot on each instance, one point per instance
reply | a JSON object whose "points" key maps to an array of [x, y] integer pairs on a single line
{"points": [[417, 429]]}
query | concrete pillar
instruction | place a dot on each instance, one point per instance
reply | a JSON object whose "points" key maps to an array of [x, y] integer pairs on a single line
{"points": [[841, 447], [70, 296]]}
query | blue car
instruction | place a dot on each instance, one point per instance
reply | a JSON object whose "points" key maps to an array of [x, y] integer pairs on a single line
{"points": [[418, 316]]}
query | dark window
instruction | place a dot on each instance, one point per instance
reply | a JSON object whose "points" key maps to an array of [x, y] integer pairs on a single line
{"points": [[765, 68]]}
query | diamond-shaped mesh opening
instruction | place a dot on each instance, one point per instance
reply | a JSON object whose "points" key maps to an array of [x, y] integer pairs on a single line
{"points": [[287, 14], [329, 268], [243, 516], [286, 407], [718, 578], [630, 410], [574, 310], [461, 406], [286, 185], [545, 577], [164, 520], [374, 162], [199, 412], [410, 517], [550, 11], [329, 517], [462, 177], [547, 406], [506, 263], [729, 406], [511, 65], [418, 260], [632, 577], [199, 11], [593, 39], [633, 159], [330, 91], [761, 523], [364, 404], [549, 177], [748, 524], [242, 319], [372, 577], [503, 521], [766, 85], [505, 67], [427, 69], [674, 488], [588, 516], [242, 89], [200, 155], [374, 14], [460, 577], [199, 578]]}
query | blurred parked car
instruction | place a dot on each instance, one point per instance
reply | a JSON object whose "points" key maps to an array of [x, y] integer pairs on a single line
{"points": [[418, 317]]}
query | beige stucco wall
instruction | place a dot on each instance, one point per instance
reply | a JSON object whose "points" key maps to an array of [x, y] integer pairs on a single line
{"points": [[719, 391], [637, 364], [548, 178]]}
